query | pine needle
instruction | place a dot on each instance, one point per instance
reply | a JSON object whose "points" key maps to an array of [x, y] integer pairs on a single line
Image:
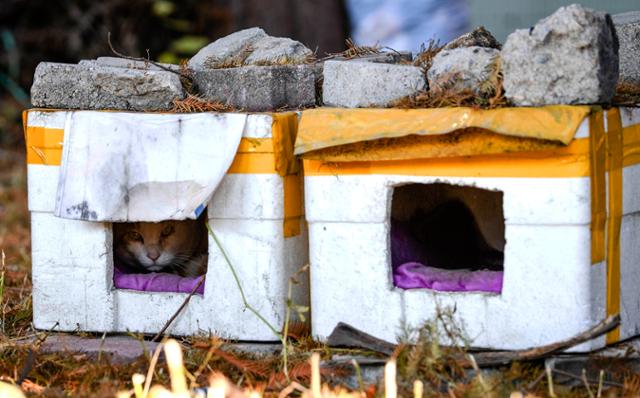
{"points": [[194, 103]]}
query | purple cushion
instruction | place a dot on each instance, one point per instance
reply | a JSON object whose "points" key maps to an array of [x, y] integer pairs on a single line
{"points": [[419, 276], [156, 282], [409, 271]]}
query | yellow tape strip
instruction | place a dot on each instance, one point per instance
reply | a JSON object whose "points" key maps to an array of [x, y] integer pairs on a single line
{"points": [[569, 161], [631, 151], [44, 145], [255, 145], [283, 131], [252, 163], [597, 151], [329, 127], [615, 163], [293, 205]]}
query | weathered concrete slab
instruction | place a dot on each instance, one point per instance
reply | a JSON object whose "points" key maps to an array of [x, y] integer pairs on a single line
{"points": [[386, 57], [628, 29], [221, 50], [126, 63], [69, 86], [254, 348], [570, 57], [258, 88], [356, 84], [479, 37], [278, 50], [119, 349], [463, 68]]}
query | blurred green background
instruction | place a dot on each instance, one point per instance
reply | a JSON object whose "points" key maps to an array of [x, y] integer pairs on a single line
{"points": [[32, 31]]}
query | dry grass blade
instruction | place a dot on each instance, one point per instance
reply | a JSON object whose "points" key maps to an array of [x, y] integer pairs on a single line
{"points": [[424, 58], [193, 103], [631, 385], [436, 99], [353, 51], [448, 93], [627, 94], [260, 368]]}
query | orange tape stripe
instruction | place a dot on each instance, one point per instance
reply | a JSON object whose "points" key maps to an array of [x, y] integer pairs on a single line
{"points": [[615, 161], [44, 145], [255, 145], [571, 161], [631, 149], [253, 163], [597, 151], [567, 162]]}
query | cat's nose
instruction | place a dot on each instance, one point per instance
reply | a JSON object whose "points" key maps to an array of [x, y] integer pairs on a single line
{"points": [[153, 255]]}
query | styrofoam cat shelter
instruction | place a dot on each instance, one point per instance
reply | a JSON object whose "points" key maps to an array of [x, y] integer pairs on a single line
{"points": [[564, 210], [256, 212]]}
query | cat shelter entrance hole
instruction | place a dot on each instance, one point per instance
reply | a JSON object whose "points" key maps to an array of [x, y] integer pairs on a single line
{"points": [[166, 256], [447, 237]]}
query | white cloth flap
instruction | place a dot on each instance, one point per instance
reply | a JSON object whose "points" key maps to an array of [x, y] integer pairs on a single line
{"points": [[123, 167]]}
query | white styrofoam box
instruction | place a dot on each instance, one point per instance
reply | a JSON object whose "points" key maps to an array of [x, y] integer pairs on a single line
{"points": [[551, 291], [73, 262]]}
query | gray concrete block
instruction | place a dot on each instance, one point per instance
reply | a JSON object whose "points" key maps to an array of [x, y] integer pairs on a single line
{"points": [[628, 29], [479, 37], [126, 63], [352, 84], [69, 86], [277, 50], [463, 68], [258, 88], [224, 48], [570, 57], [382, 57]]}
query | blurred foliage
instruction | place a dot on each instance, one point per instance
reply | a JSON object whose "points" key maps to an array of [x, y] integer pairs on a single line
{"points": [[168, 31], [32, 31]]}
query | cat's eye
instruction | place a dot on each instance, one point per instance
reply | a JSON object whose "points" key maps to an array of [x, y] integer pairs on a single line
{"points": [[135, 236], [168, 230]]}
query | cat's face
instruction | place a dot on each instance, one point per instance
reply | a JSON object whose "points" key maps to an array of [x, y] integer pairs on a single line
{"points": [[154, 247]]}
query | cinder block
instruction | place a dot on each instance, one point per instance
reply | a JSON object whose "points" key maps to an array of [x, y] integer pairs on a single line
{"points": [[479, 37], [73, 266], [570, 57], [551, 289], [464, 68], [277, 50], [226, 47], [258, 88], [359, 84], [628, 29], [117, 62], [70, 86]]}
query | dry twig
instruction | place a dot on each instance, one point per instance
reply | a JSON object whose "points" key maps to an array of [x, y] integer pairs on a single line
{"points": [[113, 50], [179, 310]]}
